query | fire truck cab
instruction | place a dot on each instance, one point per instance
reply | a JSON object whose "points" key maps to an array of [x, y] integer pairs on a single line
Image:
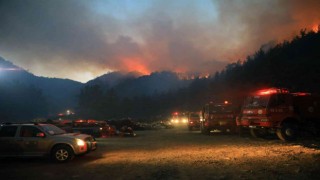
{"points": [[218, 116], [179, 118], [193, 120], [277, 110]]}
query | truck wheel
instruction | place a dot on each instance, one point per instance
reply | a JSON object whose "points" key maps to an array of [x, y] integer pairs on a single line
{"points": [[62, 153], [288, 132], [190, 128], [258, 133]]}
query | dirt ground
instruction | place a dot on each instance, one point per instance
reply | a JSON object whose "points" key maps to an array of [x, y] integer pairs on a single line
{"points": [[179, 154]]}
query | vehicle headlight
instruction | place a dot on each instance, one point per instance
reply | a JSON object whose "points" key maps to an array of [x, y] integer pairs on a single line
{"points": [[80, 142], [184, 120]]}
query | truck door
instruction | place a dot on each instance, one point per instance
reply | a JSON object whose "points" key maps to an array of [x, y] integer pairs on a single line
{"points": [[280, 106]]}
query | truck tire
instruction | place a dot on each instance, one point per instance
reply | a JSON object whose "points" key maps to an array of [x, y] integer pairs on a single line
{"points": [[62, 153], [258, 133], [287, 132]]}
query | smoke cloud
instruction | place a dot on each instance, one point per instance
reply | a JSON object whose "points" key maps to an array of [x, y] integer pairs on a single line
{"points": [[79, 39]]}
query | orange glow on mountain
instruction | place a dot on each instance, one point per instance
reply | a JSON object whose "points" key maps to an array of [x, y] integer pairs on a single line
{"points": [[315, 28], [135, 64]]}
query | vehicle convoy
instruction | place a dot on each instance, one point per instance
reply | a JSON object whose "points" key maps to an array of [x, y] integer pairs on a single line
{"points": [[193, 120], [91, 127], [33, 139], [218, 116], [276, 110]]}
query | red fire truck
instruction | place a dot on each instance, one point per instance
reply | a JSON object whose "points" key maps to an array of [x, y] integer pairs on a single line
{"points": [[218, 116], [276, 110], [179, 118]]}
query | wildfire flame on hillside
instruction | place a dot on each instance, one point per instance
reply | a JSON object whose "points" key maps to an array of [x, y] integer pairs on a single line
{"points": [[315, 28], [135, 65]]}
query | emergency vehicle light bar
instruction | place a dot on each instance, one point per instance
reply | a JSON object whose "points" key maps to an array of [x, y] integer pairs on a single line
{"points": [[273, 91]]}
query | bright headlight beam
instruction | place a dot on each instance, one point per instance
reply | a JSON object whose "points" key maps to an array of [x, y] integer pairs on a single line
{"points": [[80, 142]]}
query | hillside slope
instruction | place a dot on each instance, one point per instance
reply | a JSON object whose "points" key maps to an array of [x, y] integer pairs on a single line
{"points": [[57, 94]]}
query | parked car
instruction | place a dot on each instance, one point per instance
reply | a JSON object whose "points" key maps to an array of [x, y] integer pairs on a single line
{"points": [[126, 131], [92, 127], [33, 139]]}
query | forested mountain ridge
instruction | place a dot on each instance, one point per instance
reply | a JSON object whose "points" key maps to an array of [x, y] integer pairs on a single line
{"points": [[292, 64], [134, 84], [25, 96]]}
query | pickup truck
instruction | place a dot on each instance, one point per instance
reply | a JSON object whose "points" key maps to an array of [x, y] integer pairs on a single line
{"points": [[33, 139]]}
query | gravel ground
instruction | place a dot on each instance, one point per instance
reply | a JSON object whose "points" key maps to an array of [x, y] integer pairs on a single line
{"points": [[179, 154]]}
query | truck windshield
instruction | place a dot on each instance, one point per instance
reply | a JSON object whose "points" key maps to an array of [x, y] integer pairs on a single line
{"points": [[220, 109], [52, 130], [257, 101]]}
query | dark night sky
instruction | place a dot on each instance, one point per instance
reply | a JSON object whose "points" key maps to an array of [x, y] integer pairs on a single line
{"points": [[81, 39]]}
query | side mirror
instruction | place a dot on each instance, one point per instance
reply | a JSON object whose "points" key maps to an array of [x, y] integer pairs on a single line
{"points": [[41, 134]]}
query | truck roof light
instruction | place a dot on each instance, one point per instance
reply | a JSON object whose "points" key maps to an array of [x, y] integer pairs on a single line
{"points": [[273, 91], [267, 92]]}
